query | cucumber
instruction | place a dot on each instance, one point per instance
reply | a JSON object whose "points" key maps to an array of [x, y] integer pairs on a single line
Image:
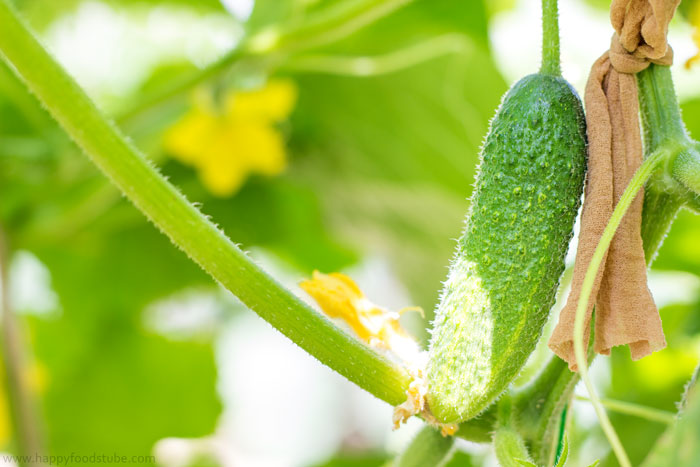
{"points": [[505, 274]]}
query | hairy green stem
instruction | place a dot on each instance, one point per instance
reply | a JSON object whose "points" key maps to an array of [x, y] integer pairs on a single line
{"points": [[23, 416], [679, 184], [428, 448], [168, 209], [550, 38], [628, 408], [636, 183], [658, 106]]}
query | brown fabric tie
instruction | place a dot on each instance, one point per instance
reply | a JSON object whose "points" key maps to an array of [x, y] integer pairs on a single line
{"points": [[625, 309]]}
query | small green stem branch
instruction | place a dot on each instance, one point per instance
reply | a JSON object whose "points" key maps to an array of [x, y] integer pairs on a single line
{"points": [[550, 38], [23, 416], [636, 183], [382, 64], [334, 23], [182, 85], [627, 408], [168, 209], [428, 448], [330, 25]]}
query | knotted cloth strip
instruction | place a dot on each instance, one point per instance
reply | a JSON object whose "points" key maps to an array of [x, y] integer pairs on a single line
{"points": [[625, 309]]}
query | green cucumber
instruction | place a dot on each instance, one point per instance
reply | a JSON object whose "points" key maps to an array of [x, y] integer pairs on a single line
{"points": [[505, 274]]}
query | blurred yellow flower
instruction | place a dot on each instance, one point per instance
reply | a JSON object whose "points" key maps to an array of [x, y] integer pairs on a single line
{"points": [[35, 380], [4, 413], [695, 21], [228, 145]]}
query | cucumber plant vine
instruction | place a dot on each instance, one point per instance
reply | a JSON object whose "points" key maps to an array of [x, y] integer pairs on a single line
{"points": [[530, 184]]}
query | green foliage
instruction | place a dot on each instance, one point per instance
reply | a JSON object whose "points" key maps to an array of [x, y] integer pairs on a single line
{"points": [[129, 386], [394, 179], [379, 167], [679, 446]]}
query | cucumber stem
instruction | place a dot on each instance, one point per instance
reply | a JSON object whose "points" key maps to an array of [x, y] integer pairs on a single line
{"points": [[550, 38]]}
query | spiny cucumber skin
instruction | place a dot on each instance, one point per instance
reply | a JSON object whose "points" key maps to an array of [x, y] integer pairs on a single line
{"points": [[505, 274]]}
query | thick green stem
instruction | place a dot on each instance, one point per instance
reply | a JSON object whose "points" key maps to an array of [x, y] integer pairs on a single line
{"points": [[428, 448], [550, 38], [659, 109], [663, 127], [184, 224]]}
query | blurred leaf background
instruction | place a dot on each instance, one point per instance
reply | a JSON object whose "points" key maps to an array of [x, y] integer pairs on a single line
{"points": [[132, 349]]}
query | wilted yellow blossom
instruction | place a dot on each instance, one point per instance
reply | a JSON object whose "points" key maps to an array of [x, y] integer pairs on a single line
{"points": [[340, 297], [695, 21], [226, 145]]}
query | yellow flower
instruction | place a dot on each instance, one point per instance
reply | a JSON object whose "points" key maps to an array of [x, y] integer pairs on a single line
{"points": [[228, 145], [695, 21]]}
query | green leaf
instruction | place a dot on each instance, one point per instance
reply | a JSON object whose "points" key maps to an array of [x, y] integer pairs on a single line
{"points": [[564, 453], [679, 444]]}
